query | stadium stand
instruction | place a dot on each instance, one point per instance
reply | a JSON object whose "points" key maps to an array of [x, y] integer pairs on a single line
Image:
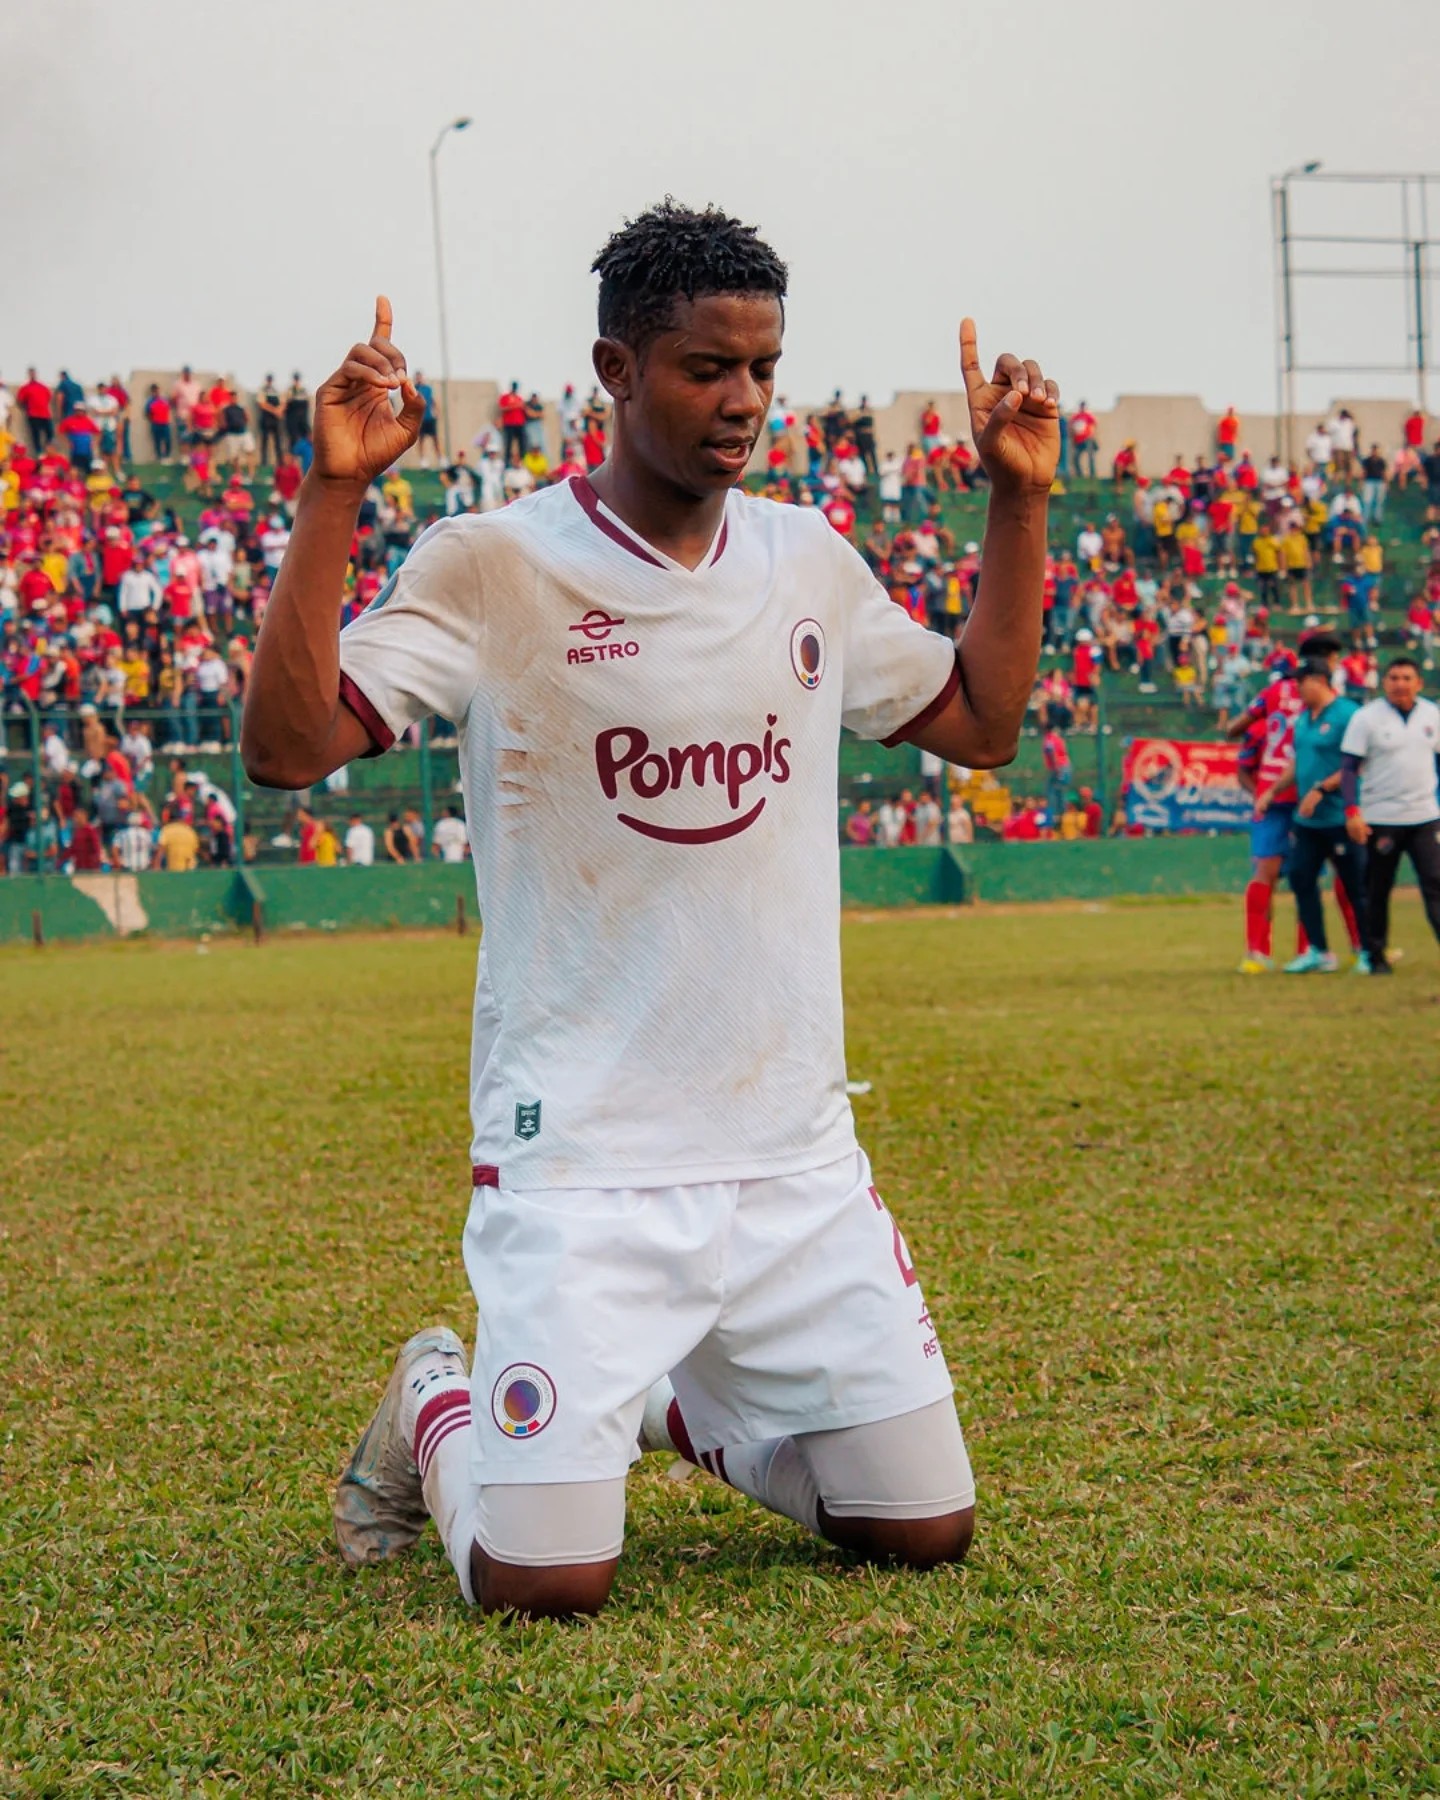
{"points": [[130, 594]]}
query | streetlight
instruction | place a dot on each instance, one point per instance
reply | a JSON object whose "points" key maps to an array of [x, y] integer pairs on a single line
{"points": [[1285, 347], [454, 125]]}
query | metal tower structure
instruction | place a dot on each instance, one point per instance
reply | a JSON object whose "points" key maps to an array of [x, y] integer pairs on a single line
{"points": [[1401, 255]]}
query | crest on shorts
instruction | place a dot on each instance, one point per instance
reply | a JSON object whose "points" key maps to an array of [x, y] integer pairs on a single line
{"points": [[527, 1118], [522, 1402]]}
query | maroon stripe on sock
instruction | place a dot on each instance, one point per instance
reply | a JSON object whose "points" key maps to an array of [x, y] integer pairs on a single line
{"points": [[448, 1400], [448, 1428], [679, 1436]]}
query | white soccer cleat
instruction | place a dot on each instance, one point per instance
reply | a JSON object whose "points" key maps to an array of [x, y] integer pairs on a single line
{"points": [[378, 1508]]}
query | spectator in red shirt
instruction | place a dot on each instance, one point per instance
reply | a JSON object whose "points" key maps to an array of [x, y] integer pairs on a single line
{"points": [[204, 416], [1147, 641], [1085, 673], [1414, 427], [35, 401], [35, 588], [1023, 825], [309, 831], [841, 514], [512, 420], [1227, 433], [1083, 441], [1126, 465], [1093, 811], [87, 853], [288, 476], [1056, 753], [117, 554], [158, 415]]}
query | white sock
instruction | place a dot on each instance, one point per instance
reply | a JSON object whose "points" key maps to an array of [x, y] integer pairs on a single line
{"points": [[441, 1437], [774, 1473]]}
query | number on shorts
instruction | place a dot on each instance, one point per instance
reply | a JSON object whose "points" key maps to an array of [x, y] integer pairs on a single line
{"points": [[902, 1255]]}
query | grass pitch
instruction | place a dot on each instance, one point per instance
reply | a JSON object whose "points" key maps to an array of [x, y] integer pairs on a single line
{"points": [[1180, 1233]]}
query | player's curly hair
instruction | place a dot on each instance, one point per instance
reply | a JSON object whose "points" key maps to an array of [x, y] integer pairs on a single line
{"points": [[670, 251]]}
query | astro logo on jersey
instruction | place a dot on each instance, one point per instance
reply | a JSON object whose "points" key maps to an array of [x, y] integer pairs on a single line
{"points": [[807, 653], [522, 1401], [728, 768], [595, 628], [527, 1119]]}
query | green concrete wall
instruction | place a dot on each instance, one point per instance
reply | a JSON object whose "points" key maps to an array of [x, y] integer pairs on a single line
{"points": [[416, 898], [910, 877], [1105, 868], [293, 899]]}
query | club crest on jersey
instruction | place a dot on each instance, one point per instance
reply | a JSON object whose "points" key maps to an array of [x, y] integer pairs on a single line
{"points": [[522, 1401], [649, 772], [527, 1119], [595, 628], [807, 653]]}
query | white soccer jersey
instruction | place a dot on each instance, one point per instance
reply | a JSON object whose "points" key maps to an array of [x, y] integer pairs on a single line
{"points": [[649, 760], [1397, 774]]}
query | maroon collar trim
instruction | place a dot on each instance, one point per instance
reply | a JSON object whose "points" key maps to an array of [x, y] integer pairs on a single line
{"points": [[590, 500], [584, 492]]}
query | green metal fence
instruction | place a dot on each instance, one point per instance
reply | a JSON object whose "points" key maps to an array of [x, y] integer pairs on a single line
{"points": [[422, 773]]}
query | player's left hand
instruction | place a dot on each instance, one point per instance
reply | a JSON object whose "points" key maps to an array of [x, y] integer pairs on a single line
{"points": [[1309, 803], [1014, 417]]}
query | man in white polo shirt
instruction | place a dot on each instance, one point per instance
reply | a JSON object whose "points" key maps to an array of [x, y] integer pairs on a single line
{"points": [[1392, 796]]}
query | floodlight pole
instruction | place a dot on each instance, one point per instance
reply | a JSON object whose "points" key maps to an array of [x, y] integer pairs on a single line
{"points": [[454, 125], [1285, 336]]}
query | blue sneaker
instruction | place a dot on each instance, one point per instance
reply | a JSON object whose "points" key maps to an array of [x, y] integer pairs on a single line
{"points": [[1361, 964], [1313, 962]]}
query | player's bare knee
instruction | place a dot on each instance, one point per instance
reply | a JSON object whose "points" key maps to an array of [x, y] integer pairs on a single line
{"points": [[926, 1543], [567, 1591], [917, 1543]]}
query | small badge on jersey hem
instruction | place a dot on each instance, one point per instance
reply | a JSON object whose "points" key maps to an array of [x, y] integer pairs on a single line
{"points": [[807, 653], [522, 1402], [527, 1118]]}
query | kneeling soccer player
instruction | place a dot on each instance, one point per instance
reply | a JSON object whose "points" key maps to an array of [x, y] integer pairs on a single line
{"points": [[649, 672]]}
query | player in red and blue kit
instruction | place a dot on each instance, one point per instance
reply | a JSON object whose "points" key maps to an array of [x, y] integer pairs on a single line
{"points": [[1266, 763]]}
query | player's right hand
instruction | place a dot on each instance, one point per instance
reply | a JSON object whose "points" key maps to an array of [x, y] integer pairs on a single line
{"points": [[1356, 829], [357, 435]]}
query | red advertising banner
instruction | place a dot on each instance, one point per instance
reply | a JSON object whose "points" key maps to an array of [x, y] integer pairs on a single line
{"points": [[1175, 785]]}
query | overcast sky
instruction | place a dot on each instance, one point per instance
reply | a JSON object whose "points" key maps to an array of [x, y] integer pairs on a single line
{"points": [[230, 184]]}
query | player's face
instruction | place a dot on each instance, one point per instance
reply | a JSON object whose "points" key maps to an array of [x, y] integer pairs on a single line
{"points": [[696, 402]]}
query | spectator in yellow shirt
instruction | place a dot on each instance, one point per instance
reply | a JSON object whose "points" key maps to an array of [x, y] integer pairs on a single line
{"points": [[135, 666], [1296, 551], [327, 847], [177, 846], [1365, 593], [1072, 822], [398, 491]]}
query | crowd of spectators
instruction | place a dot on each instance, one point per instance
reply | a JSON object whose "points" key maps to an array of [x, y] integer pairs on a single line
{"points": [[123, 619]]}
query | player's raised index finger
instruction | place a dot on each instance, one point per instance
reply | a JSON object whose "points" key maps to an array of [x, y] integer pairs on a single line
{"points": [[970, 357], [384, 319]]}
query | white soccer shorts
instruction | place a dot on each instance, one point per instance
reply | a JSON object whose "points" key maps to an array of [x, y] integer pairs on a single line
{"points": [[777, 1306]]}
